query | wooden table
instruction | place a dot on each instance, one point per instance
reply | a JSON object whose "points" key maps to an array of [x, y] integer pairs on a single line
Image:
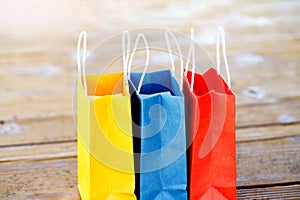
{"points": [[38, 155]]}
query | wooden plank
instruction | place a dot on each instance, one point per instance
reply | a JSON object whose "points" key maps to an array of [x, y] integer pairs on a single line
{"points": [[260, 160], [253, 134], [271, 192], [285, 111], [63, 68], [38, 130], [247, 92], [37, 80], [57, 179], [35, 128], [52, 74], [259, 163], [57, 79], [38, 152], [42, 105], [63, 129], [35, 74], [268, 162], [24, 132], [48, 179]]}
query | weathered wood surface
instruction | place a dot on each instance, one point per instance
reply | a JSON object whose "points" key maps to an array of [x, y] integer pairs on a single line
{"points": [[38, 72], [271, 192], [56, 179]]}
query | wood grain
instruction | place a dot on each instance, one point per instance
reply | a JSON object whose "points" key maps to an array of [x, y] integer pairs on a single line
{"points": [[264, 133], [268, 162], [47, 179], [37, 130], [38, 152], [275, 192]]}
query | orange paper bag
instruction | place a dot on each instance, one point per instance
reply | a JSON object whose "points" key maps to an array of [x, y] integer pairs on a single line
{"points": [[210, 112]]}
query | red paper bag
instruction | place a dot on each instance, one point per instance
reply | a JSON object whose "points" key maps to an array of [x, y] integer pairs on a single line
{"points": [[210, 112]]}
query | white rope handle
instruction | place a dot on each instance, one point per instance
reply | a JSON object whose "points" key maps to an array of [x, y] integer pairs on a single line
{"points": [[81, 57], [221, 32], [140, 36], [126, 54], [167, 33], [191, 54]]}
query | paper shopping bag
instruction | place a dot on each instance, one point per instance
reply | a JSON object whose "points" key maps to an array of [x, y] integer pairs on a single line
{"points": [[210, 121], [105, 147], [159, 136]]}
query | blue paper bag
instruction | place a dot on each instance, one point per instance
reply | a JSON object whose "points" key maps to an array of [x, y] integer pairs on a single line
{"points": [[158, 122]]}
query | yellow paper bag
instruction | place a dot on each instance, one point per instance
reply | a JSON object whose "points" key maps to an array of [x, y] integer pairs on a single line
{"points": [[105, 149]]}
